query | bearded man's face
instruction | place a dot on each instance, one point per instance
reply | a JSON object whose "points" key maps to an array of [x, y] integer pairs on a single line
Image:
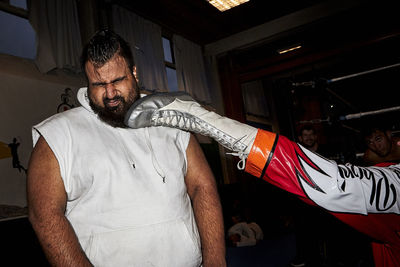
{"points": [[112, 89]]}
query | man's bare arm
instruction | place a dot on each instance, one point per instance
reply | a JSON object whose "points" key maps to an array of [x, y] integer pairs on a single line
{"points": [[370, 158], [46, 204], [203, 192]]}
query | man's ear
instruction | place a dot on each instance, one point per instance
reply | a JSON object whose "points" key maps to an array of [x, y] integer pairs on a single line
{"points": [[389, 134], [134, 73]]}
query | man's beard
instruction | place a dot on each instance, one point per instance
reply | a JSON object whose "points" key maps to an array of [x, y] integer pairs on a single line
{"points": [[308, 144], [114, 116]]}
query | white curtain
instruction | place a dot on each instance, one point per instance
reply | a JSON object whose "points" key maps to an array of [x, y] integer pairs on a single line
{"points": [[190, 69], [146, 44], [58, 37]]}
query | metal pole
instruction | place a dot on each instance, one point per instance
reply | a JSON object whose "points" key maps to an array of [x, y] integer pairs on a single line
{"points": [[313, 83], [361, 73], [367, 113]]}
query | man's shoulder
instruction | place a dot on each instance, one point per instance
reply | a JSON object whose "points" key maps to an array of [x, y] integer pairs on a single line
{"points": [[324, 150], [164, 132], [67, 115], [370, 157], [65, 120], [72, 112]]}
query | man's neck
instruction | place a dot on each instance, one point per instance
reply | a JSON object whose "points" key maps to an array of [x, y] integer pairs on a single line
{"points": [[313, 148]]}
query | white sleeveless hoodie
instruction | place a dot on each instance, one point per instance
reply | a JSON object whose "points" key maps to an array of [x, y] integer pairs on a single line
{"points": [[126, 194]]}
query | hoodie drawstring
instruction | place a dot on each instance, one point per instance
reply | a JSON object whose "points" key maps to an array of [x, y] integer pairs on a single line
{"points": [[154, 161]]}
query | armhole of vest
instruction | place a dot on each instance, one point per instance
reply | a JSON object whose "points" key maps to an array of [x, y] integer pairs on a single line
{"points": [[56, 155], [184, 140], [35, 135]]}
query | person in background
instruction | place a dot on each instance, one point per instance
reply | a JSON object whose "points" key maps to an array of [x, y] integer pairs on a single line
{"points": [[102, 194], [382, 147], [308, 138]]}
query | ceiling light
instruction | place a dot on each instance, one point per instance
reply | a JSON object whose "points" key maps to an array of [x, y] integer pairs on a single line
{"points": [[288, 49], [223, 5]]}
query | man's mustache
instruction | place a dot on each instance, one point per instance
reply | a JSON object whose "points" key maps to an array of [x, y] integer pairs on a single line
{"points": [[107, 100]]}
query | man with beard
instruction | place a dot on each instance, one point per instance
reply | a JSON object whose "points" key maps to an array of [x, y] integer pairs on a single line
{"points": [[105, 195], [382, 147], [309, 139]]}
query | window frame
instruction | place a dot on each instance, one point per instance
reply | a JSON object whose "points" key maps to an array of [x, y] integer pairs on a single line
{"points": [[168, 64], [28, 49], [13, 10]]}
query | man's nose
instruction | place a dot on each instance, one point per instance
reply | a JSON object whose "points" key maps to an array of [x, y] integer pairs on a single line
{"points": [[375, 145], [110, 90]]}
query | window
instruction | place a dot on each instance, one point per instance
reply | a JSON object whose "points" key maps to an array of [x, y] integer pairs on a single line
{"points": [[18, 38], [170, 65]]}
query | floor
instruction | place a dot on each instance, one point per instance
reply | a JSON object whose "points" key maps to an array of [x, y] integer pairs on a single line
{"points": [[273, 252], [20, 246]]}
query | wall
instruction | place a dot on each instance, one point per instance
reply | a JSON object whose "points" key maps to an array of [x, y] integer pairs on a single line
{"points": [[27, 98]]}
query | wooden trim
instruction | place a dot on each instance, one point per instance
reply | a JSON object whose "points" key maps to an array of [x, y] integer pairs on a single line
{"points": [[170, 65], [17, 11]]}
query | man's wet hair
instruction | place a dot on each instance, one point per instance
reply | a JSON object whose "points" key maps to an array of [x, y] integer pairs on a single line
{"points": [[370, 126], [102, 46]]}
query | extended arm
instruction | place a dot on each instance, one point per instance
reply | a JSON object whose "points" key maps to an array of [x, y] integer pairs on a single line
{"points": [[337, 188], [203, 192], [366, 198], [348, 192], [370, 158], [278, 160], [46, 203]]}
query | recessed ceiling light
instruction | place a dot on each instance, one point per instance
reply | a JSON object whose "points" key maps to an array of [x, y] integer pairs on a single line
{"points": [[223, 5]]}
